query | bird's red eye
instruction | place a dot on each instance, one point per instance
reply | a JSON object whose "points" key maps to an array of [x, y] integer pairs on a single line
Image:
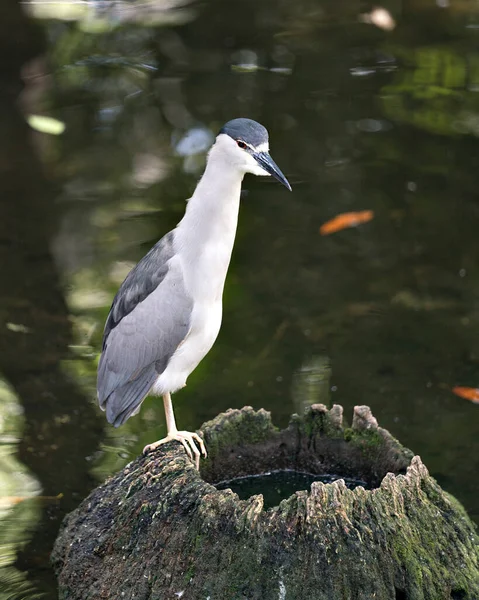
{"points": [[241, 144]]}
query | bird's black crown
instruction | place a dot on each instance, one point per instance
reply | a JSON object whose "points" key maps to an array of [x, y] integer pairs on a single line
{"points": [[251, 132]]}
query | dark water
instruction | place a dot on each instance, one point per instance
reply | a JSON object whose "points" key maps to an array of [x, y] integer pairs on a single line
{"points": [[278, 485], [360, 118]]}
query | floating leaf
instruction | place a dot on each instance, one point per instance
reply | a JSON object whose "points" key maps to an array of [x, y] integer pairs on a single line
{"points": [[12, 500], [18, 328], [468, 393], [46, 124], [345, 220], [380, 17], [9, 501]]}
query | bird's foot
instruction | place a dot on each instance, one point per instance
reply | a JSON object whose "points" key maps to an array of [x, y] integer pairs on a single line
{"points": [[190, 441]]}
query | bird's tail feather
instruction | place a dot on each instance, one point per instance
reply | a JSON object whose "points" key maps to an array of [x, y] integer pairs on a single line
{"points": [[126, 399]]}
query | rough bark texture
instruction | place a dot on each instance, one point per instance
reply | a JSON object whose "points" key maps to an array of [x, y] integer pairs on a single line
{"points": [[160, 530]]}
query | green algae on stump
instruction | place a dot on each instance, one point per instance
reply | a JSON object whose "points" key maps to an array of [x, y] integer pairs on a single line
{"points": [[160, 530]]}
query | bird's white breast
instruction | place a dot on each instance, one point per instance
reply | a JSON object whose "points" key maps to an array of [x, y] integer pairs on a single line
{"points": [[204, 279], [203, 243], [205, 325]]}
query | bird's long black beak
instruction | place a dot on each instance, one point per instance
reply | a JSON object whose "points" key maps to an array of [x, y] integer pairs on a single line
{"points": [[267, 163]]}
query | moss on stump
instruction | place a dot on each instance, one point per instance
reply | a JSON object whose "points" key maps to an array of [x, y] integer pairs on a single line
{"points": [[159, 529]]}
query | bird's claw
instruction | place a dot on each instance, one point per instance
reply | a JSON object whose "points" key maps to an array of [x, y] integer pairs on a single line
{"points": [[190, 442]]}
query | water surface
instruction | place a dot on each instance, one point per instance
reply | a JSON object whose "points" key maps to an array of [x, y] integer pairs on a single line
{"points": [[360, 118], [279, 485]]}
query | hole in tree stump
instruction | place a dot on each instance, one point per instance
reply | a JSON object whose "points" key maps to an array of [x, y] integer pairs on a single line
{"points": [[279, 485], [260, 459]]}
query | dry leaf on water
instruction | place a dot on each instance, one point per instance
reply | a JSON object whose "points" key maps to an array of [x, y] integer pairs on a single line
{"points": [[345, 220]]}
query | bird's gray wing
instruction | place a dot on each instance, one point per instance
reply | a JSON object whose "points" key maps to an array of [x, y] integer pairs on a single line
{"points": [[148, 320]]}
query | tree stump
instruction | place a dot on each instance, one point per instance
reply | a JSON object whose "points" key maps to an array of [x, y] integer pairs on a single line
{"points": [[159, 529]]}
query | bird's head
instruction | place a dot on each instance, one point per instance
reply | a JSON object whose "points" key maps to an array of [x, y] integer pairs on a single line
{"points": [[244, 143]]}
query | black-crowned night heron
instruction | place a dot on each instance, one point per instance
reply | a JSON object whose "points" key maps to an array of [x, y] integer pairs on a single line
{"points": [[167, 313]]}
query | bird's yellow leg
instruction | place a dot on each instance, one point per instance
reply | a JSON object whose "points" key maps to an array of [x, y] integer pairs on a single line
{"points": [[190, 440]]}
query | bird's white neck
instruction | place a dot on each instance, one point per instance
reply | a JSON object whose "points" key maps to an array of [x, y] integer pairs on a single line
{"points": [[207, 231], [215, 202]]}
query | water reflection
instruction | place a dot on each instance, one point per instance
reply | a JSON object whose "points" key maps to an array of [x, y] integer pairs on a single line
{"points": [[98, 16], [312, 384], [362, 118], [18, 513]]}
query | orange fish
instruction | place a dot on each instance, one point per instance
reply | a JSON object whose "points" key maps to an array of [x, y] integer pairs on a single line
{"points": [[345, 220], [468, 393]]}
